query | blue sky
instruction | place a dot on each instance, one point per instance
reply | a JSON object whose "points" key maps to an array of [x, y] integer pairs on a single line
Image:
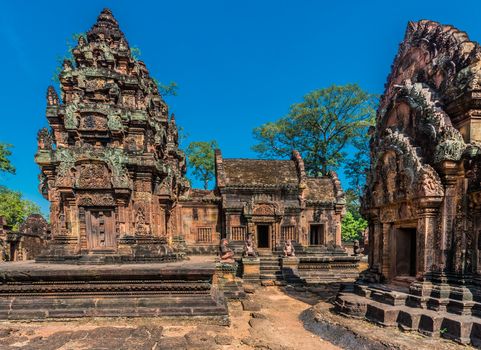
{"points": [[238, 64]]}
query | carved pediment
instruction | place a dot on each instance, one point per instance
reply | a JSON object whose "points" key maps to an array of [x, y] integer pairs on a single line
{"points": [[93, 122], [264, 209], [93, 175], [96, 200], [400, 173]]}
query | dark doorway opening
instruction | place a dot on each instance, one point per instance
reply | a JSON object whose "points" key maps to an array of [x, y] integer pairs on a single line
{"points": [[316, 234], [406, 252], [262, 236]]}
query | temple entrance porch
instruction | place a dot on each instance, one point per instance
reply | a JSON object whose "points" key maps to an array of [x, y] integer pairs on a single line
{"points": [[405, 252], [263, 236], [100, 229], [316, 235]]}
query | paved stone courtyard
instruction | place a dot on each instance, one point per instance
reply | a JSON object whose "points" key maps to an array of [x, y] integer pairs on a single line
{"points": [[271, 318]]}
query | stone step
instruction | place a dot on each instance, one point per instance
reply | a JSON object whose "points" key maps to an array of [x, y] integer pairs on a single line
{"points": [[270, 265], [381, 294], [460, 328]]}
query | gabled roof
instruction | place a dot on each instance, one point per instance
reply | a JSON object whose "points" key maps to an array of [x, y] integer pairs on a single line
{"points": [[320, 189], [260, 172]]}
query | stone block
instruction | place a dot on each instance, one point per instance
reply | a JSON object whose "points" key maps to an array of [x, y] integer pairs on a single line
{"points": [[351, 305], [475, 334], [457, 329], [249, 305], [430, 324], [437, 304], [460, 307], [222, 339], [258, 315], [362, 290], [251, 269], [382, 314], [408, 319], [268, 283], [200, 340], [249, 288]]}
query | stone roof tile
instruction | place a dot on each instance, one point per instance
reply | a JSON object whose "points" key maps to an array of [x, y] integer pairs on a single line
{"points": [[260, 172]]}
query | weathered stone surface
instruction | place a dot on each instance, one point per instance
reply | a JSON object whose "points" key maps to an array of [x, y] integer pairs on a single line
{"points": [[249, 305], [173, 343], [258, 315], [200, 340], [31, 290], [249, 288], [423, 193], [221, 339], [267, 283], [110, 163]]}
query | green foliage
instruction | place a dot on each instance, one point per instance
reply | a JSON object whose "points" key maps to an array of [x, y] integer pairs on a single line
{"points": [[14, 208], [353, 204], [70, 43], [5, 153], [320, 127], [169, 89], [352, 227], [201, 158], [135, 52], [357, 166]]}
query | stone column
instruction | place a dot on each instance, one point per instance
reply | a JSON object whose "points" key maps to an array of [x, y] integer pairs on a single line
{"points": [[477, 234], [448, 214], [425, 252], [375, 245], [337, 223], [228, 227], [475, 201], [386, 250]]}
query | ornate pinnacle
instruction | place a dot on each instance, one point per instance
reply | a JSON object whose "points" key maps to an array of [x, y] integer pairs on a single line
{"points": [[52, 97], [105, 28], [107, 16]]}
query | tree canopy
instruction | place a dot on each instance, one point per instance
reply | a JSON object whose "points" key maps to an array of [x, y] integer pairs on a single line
{"points": [[14, 208], [321, 127], [352, 227], [5, 164], [201, 159]]}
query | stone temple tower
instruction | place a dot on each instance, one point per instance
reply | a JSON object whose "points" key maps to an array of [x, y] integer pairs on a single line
{"points": [[110, 163]]}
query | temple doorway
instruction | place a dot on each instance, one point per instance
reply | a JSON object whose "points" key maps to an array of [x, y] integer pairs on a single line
{"points": [[262, 236], [406, 252], [100, 229], [316, 234]]}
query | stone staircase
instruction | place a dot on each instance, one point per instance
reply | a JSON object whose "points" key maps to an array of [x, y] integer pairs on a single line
{"points": [[393, 306], [270, 268]]}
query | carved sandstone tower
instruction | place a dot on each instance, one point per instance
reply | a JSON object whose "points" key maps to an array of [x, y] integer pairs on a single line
{"points": [[110, 166], [423, 193]]}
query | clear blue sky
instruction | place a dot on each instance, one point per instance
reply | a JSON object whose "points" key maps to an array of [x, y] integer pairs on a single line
{"points": [[238, 64]]}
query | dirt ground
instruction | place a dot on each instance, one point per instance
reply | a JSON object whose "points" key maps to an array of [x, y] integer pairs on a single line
{"points": [[272, 318]]}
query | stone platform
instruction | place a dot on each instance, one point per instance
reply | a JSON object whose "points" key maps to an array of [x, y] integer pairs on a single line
{"points": [[38, 291], [395, 306]]}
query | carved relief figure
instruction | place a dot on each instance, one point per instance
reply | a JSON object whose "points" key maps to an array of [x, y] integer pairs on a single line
{"points": [[226, 254], [249, 250], [289, 249]]}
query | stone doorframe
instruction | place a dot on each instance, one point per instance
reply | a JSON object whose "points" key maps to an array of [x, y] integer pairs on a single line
{"points": [[274, 229]]}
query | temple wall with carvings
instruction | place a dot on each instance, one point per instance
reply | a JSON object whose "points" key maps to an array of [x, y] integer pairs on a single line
{"points": [[113, 172], [422, 196]]}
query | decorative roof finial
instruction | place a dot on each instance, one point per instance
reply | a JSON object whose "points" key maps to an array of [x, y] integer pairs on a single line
{"points": [[52, 97]]}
